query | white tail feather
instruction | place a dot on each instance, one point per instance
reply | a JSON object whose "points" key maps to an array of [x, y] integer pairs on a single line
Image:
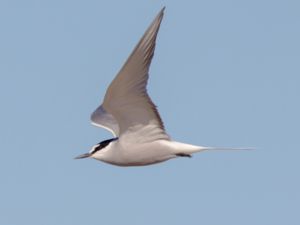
{"points": [[226, 149], [190, 149]]}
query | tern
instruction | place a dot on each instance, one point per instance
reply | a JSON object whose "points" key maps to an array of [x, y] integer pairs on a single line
{"points": [[130, 115]]}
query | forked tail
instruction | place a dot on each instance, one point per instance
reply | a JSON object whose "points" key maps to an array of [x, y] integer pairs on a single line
{"points": [[225, 148], [182, 148]]}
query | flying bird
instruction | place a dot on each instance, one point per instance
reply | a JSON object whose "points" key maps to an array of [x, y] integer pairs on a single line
{"points": [[130, 115]]}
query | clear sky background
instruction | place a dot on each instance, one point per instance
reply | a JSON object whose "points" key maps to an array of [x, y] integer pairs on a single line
{"points": [[225, 73]]}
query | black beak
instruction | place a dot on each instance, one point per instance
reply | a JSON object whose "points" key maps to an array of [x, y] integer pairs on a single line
{"points": [[85, 155]]}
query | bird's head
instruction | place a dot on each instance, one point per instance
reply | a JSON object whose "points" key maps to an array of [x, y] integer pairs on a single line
{"points": [[97, 149]]}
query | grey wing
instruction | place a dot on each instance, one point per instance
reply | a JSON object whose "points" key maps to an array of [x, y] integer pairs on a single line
{"points": [[127, 99], [101, 118]]}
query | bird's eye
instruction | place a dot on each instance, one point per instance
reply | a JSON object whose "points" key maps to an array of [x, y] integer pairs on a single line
{"points": [[101, 145], [95, 148]]}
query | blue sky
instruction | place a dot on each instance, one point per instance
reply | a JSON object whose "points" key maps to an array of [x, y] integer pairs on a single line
{"points": [[225, 73]]}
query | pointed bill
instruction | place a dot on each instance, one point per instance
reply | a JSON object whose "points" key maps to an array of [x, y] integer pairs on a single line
{"points": [[85, 155]]}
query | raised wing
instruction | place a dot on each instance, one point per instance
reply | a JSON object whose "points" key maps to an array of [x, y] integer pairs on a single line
{"points": [[127, 99], [101, 118]]}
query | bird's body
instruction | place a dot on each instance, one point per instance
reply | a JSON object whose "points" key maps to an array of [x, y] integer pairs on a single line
{"points": [[127, 153], [129, 113]]}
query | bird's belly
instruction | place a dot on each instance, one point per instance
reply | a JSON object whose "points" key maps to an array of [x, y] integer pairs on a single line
{"points": [[142, 154]]}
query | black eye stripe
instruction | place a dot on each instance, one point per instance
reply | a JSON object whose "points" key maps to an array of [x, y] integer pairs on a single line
{"points": [[103, 144]]}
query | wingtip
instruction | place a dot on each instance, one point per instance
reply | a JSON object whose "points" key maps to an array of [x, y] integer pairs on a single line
{"points": [[161, 12]]}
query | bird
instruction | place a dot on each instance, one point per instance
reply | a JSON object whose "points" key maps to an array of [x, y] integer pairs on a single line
{"points": [[128, 112]]}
